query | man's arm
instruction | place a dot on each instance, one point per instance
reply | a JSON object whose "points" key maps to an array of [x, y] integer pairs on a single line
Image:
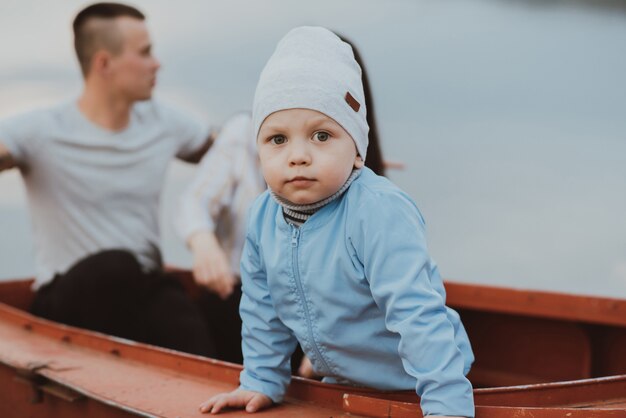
{"points": [[6, 159], [197, 155]]}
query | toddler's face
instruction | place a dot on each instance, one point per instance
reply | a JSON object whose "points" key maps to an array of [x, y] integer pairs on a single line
{"points": [[305, 155]]}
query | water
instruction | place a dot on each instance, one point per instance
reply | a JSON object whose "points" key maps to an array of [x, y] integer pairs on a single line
{"points": [[508, 115]]}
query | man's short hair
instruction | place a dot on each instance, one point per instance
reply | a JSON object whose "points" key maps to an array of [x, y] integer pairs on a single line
{"points": [[93, 30]]}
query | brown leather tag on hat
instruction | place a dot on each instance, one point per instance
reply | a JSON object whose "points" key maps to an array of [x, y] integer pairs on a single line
{"points": [[352, 102]]}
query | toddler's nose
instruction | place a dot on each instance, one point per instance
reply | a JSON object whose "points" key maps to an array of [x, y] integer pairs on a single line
{"points": [[299, 156]]}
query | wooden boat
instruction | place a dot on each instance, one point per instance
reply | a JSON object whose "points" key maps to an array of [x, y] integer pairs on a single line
{"points": [[538, 354]]}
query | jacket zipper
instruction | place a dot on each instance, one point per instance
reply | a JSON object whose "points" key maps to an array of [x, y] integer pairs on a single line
{"points": [[295, 238]]}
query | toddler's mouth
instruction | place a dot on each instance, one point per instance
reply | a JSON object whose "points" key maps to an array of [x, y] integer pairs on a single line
{"points": [[301, 181]]}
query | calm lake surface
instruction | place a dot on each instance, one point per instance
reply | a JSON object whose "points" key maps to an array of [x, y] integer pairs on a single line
{"points": [[509, 116]]}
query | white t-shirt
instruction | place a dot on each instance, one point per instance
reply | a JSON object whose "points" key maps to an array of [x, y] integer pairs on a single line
{"points": [[91, 189]]}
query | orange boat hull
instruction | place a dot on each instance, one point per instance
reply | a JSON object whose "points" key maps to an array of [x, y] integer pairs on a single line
{"points": [[538, 355]]}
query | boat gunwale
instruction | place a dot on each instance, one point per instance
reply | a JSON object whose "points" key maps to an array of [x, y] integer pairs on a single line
{"points": [[600, 310], [597, 310]]}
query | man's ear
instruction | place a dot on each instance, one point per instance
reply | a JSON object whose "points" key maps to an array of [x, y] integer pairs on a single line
{"points": [[101, 62], [358, 162]]}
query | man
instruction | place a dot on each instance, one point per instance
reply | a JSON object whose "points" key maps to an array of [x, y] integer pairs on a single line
{"points": [[94, 169]]}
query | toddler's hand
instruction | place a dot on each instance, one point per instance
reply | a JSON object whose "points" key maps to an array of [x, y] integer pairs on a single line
{"points": [[250, 400]]}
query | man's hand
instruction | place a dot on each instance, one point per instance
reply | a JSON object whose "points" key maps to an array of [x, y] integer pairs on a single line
{"points": [[6, 160], [211, 267], [251, 401]]}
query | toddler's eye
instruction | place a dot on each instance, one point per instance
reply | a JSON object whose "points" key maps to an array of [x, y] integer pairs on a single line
{"points": [[278, 139], [322, 136]]}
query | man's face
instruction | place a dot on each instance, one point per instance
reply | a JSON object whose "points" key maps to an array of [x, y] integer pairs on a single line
{"points": [[305, 155], [133, 70]]}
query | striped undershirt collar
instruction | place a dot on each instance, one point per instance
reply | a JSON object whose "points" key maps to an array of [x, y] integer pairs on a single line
{"points": [[298, 214]]}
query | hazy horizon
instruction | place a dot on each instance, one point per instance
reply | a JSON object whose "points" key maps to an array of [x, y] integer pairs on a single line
{"points": [[509, 117]]}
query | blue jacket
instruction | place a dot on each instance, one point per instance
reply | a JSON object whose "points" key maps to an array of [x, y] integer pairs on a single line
{"points": [[356, 287]]}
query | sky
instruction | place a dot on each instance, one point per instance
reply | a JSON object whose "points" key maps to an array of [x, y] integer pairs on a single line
{"points": [[509, 117]]}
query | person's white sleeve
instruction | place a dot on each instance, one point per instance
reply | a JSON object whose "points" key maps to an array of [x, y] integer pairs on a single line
{"points": [[209, 192], [393, 251], [217, 175], [267, 344]]}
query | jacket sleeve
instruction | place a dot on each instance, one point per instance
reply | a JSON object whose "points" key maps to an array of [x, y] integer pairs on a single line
{"points": [[267, 343], [403, 282]]}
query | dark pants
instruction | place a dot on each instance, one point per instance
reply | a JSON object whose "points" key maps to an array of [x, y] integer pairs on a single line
{"points": [[224, 323], [108, 292]]}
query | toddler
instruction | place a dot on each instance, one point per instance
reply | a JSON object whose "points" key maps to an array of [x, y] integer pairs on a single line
{"points": [[335, 256]]}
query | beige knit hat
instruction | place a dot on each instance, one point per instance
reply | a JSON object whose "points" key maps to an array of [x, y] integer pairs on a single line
{"points": [[312, 68]]}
